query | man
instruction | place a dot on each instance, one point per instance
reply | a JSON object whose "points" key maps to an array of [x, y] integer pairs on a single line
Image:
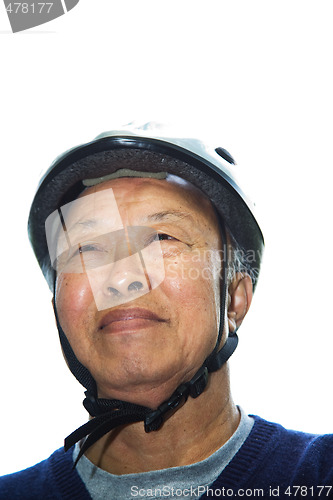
{"points": [[144, 242]]}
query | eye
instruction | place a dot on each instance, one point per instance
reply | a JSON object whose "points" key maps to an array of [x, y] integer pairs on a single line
{"points": [[88, 248], [159, 237], [164, 236]]}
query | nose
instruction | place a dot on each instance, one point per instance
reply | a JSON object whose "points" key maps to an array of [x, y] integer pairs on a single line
{"points": [[135, 286], [126, 278]]}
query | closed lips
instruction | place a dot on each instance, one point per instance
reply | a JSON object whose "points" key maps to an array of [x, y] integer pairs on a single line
{"points": [[128, 314]]}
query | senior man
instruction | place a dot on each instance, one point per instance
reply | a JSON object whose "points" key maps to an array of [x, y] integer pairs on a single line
{"points": [[144, 242]]}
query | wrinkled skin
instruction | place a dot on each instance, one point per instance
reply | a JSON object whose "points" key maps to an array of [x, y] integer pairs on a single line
{"points": [[144, 360]]}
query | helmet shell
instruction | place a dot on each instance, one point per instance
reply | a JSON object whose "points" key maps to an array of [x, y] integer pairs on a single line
{"points": [[212, 171]]}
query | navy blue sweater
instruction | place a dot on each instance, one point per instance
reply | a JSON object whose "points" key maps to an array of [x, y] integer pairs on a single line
{"points": [[272, 463]]}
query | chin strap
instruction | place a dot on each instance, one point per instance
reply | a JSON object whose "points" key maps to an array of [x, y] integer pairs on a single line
{"points": [[111, 413]]}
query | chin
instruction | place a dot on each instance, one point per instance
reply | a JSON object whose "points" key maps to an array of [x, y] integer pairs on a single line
{"points": [[143, 391]]}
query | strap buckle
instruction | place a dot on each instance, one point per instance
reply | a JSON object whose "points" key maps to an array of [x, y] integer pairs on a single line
{"points": [[155, 419], [194, 388], [198, 383]]}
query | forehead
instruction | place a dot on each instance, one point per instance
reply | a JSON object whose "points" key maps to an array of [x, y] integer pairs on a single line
{"points": [[139, 197]]}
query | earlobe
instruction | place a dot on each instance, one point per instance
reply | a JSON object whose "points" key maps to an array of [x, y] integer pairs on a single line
{"points": [[239, 300]]}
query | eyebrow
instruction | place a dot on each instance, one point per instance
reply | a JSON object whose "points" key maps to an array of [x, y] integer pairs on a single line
{"points": [[86, 223], [168, 215]]}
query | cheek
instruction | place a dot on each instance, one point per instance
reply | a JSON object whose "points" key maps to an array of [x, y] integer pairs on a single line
{"points": [[193, 283], [73, 299], [193, 293]]}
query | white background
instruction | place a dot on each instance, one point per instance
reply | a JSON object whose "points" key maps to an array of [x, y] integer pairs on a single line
{"points": [[255, 77]]}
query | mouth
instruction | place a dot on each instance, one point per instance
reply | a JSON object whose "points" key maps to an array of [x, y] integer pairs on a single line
{"points": [[130, 319]]}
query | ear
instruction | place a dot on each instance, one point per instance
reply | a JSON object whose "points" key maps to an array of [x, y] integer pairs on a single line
{"points": [[239, 300]]}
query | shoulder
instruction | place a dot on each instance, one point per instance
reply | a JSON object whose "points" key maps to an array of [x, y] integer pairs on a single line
{"points": [[53, 478], [273, 458], [301, 442], [299, 455]]}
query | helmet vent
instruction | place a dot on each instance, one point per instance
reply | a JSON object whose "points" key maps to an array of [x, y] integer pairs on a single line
{"points": [[225, 155]]}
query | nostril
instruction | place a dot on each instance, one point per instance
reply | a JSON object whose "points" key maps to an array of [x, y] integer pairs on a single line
{"points": [[113, 291], [135, 286]]}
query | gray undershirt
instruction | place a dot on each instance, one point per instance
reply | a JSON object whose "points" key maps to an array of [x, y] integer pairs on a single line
{"points": [[189, 481]]}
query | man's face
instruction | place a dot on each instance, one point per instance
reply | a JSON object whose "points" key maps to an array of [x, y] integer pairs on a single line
{"points": [[133, 333]]}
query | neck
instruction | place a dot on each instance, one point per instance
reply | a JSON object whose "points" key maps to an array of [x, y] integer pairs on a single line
{"points": [[195, 431]]}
